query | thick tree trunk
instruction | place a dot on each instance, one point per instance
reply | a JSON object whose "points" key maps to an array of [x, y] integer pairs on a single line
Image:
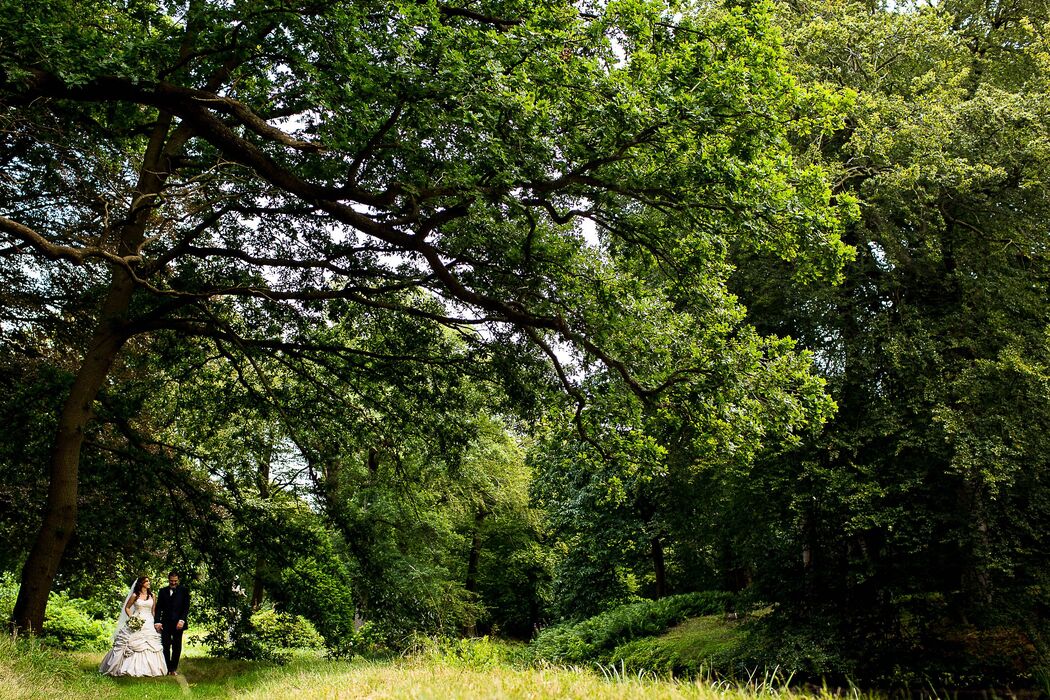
{"points": [[60, 509]]}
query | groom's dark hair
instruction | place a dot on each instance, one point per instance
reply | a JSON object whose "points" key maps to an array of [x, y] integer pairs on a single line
{"points": [[173, 573]]}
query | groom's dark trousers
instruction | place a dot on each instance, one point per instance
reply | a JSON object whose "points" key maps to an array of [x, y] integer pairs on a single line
{"points": [[171, 640], [172, 605]]}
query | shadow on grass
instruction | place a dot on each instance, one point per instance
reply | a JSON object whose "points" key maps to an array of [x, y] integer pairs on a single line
{"points": [[199, 676]]}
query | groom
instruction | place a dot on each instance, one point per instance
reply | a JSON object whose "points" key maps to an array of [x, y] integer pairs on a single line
{"points": [[173, 607]]}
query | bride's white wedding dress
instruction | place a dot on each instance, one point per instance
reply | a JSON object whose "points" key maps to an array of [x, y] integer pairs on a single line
{"points": [[136, 653]]}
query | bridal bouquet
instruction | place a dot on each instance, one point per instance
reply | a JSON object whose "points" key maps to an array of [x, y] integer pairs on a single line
{"points": [[135, 623]]}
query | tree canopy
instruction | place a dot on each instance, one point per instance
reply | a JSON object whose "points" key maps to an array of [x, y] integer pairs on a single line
{"points": [[246, 172]]}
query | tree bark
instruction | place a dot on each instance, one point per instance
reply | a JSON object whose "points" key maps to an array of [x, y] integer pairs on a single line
{"points": [[60, 509]]}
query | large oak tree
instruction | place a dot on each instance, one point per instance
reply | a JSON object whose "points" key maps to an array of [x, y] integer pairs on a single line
{"points": [[276, 157]]}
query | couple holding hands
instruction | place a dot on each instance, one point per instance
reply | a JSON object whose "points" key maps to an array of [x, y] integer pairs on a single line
{"points": [[148, 641]]}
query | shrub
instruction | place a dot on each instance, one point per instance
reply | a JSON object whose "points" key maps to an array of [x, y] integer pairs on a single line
{"points": [[594, 639], [234, 636], [8, 594], [69, 626], [281, 630], [477, 652], [373, 640], [68, 622]]}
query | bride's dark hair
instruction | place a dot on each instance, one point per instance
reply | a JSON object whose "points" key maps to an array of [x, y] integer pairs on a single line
{"points": [[138, 587]]}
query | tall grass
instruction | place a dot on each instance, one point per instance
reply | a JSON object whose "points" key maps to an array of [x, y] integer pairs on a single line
{"points": [[418, 679], [29, 671]]}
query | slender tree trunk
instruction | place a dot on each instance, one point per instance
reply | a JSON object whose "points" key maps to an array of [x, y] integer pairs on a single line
{"points": [[471, 584], [472, 562], [60, 509], [659, 567], [264, 492], [257, 585]]}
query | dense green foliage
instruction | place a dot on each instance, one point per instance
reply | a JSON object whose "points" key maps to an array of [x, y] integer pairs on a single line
{"points": [[902, 542], [920, 507]]}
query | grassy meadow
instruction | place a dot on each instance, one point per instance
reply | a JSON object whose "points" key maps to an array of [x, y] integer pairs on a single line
{"points": [[31, 672]]}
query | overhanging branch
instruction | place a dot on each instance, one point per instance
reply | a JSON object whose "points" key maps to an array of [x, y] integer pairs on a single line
{"points": [[55, 251]]}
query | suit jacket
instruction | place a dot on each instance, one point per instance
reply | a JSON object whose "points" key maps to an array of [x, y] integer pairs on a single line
{"points": [[173, 606]]}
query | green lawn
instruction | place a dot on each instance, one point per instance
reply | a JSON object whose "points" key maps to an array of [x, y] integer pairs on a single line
{"points": [[31, 673]]}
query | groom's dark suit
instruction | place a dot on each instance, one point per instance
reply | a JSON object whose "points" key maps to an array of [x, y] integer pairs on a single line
{"points": [[173, 606]]}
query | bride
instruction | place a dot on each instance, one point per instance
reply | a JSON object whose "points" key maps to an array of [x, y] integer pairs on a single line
{"points": [[136, 648]]}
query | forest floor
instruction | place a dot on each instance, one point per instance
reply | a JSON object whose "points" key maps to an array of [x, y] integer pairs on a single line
{"points": [[37, 673]]}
